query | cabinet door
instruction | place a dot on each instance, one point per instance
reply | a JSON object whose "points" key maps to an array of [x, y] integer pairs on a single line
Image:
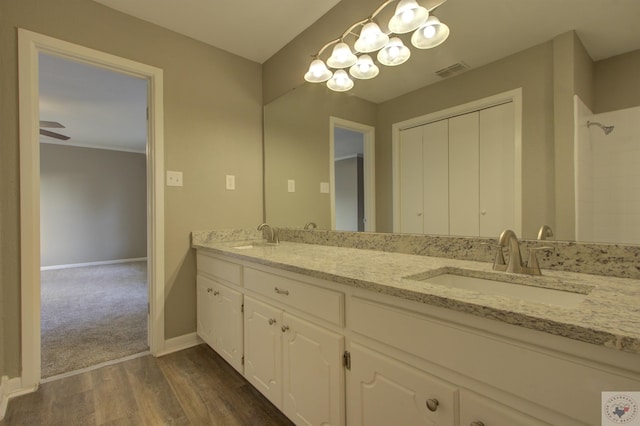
{"points": [[228, 325], [313, 376], [475, 408], [411, 220], [263, 348], [464, 169], [384, 391], [205, 309]]}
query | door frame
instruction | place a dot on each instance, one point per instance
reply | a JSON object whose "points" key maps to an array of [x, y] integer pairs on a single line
{"points": [[514, 96], [369, 163], [30, 44]]}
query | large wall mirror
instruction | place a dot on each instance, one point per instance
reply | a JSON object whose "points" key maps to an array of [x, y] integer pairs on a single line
{"points": [[579, 129]]}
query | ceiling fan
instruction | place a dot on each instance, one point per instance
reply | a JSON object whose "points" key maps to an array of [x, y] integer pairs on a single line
{"points": [[52, 125]]}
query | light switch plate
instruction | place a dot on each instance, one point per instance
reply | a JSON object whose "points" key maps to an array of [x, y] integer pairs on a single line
{"points": [[174, 178], [324, 187], [231, 182], [291, 185]]}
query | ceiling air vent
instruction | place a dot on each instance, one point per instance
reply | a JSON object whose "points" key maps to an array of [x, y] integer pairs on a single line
{"points": [[457, 68]]}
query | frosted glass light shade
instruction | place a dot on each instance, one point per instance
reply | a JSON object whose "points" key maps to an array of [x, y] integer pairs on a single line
{"points": [[318, 72], [394, 53], [342, 57], [431, 34], [364, 69], [340, 82], [409, 15], [371, 38]]}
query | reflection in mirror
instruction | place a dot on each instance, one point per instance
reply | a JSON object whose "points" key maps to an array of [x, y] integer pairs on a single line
{"points": [[560, 187]]}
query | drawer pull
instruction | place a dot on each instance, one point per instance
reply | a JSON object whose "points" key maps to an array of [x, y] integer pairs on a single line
{"points": [[272, 321], [281, 291], [209, 290], [215, 293], [477, 423], [432, 404], [285, 328]]}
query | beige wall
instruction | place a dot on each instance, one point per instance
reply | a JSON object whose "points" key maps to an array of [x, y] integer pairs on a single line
{"points": [[617, 82], [296, 137], [531, 69], [93, 205], [212, 123]]}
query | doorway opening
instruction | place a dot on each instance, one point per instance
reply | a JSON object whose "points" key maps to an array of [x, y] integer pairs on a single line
{"points": [[93, 192], [31, 50], [352, 176]]}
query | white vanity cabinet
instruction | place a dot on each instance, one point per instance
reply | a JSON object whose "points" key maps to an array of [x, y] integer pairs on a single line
{"points": [[294, 362], [219, 308]]}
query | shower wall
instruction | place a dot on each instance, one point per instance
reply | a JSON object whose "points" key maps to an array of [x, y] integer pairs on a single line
{"points": [[607, 176]]}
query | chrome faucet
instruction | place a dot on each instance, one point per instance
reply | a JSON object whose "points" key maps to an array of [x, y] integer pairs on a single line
{"points": [[545, 232], [310, 225], [509, 238], [273, 234]]}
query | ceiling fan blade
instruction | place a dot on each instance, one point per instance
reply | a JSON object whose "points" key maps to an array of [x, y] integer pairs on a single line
{"points": [[54, 135], [51, 124]]}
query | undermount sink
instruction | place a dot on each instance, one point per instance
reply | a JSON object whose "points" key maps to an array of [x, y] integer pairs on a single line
{"points": [[251, 245], [502, 288]]}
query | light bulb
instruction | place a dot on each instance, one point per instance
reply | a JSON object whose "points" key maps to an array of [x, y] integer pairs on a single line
{"points": [[364, 67], [393, 52], [429, 31], [407, 16]]}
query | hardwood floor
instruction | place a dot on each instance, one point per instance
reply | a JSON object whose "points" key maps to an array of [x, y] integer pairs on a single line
{"points": [[191, 387]]}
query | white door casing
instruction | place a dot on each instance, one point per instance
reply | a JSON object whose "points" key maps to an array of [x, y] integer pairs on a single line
{"points": [[30, 44]]}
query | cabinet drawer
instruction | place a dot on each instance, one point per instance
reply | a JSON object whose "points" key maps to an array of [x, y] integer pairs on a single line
{"points": [[320, 302], [476, 409], [218, 268], [384, 391]]}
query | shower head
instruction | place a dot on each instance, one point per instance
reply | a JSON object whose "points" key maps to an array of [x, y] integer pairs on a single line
{"points": [[605, 129]]}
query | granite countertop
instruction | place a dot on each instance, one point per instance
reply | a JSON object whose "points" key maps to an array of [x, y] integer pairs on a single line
{"points": [[608, 316]]}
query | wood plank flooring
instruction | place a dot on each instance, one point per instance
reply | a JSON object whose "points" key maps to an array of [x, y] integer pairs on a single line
{"points": [[191, 387]]}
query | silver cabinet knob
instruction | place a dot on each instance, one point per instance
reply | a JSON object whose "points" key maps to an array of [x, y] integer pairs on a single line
{"points": [[285, 328], [476, 423], [215, 293], [281, 291], [432, 404], [272, 321], [209, 290]]}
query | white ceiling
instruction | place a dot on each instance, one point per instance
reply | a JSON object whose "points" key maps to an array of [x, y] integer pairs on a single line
{"points": [[99, 108], [104, 108], [253, 29]]}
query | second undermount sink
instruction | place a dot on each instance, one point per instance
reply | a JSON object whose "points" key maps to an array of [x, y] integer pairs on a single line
{"points": [[529, 293], [250, 245]]}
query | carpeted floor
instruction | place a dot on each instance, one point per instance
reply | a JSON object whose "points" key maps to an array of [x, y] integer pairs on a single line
{"points": [[91, 315]]}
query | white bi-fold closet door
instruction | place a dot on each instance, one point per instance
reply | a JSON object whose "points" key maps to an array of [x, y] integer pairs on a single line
{"points": [[457, 175]]}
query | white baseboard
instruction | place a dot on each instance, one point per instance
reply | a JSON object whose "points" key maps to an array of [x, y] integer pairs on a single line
{"points": [[10, 388], [102, 262], [179, 343]]}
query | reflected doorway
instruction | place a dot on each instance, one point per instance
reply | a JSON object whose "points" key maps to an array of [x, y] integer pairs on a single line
{"points": [[352, 176]]}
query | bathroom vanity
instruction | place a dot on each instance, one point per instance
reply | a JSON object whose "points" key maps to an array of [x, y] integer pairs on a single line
{"points": [[335, 335]]}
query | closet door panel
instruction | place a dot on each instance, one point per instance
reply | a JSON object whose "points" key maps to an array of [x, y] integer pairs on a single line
{"points": [[411, 181], [464, 170], [435, 151], [497, 170]]}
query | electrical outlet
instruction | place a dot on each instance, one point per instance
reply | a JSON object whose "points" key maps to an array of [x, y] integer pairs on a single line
{"points": [[174, 178], [231, 182], [291, 185]]}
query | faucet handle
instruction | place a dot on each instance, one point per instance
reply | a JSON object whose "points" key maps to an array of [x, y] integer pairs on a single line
{"points": [[498, 262], [532, 262]]}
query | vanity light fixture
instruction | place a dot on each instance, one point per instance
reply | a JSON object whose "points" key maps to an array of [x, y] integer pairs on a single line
{"points": [[409, 16]]}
